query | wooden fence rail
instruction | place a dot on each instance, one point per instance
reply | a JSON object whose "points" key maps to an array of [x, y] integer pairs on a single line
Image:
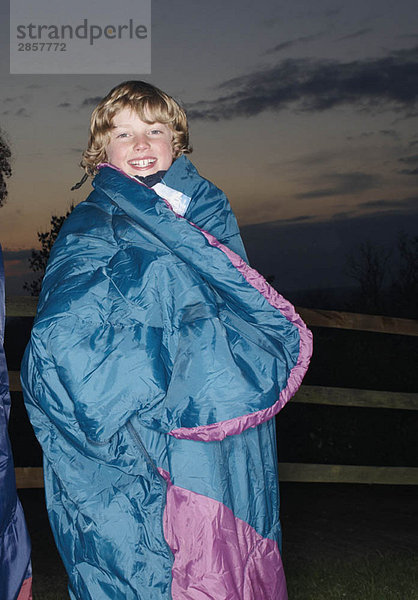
{"points": [[316, 394], [32, 477], [25, 306], [345, 320]]}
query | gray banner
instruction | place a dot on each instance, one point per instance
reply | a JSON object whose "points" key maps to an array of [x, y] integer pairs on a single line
{"points": [[80, 37]]}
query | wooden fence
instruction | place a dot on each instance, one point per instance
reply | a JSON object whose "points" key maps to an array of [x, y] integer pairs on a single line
{"points": [[31, 477]]}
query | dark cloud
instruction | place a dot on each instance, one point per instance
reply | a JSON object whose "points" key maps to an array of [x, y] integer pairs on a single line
{"points": [[16, 254], [332, 12], [307, 160], [410, 114], [92, 101], [301, 219], [401, 204], [64, 105], [16, 99], [271, 22], [289, 43], [408, 171], [390, 133], [343, 184], [365, 134], [409, 159], [281, 46], [317, 85], [356, 34], [22, 112], [379, 204], [346, 214]]}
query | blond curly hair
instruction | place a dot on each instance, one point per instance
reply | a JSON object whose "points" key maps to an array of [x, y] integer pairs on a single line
{"points": [[144, 99]]}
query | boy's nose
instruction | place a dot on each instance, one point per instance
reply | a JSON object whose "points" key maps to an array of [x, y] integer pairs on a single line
{"points": [[141, 141]]}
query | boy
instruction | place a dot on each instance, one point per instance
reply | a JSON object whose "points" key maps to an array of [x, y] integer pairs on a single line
{"points": [[140, 105], [157, 362]]}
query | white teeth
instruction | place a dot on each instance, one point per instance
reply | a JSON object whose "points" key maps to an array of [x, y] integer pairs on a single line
{"points": [[143, 162]]}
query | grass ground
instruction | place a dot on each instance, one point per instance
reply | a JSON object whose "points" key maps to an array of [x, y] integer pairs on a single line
{"points": [[340, 542], [350, 542], [370, 577]]}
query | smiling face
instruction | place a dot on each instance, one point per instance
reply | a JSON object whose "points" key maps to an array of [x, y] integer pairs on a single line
{"points": [[137, 147]]}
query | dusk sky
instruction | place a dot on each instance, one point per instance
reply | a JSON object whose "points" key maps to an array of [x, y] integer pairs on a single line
{"points": [[304, 113]]}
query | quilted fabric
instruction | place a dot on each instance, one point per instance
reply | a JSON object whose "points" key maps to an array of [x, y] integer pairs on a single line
{"points": [[15, 565], [156, 364]]}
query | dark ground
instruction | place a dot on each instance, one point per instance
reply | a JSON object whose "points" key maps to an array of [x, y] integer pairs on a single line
{"points": [[323, 524], [340, 542]]}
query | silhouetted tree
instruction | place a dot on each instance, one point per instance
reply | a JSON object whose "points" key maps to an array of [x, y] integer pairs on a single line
{"points": [[388, 279], [369, 266], [39, 258], [5, 168], [405, 284]]}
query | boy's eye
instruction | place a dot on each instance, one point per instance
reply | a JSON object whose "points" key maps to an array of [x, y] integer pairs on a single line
{"points": [[122, 135], [155, 131]]}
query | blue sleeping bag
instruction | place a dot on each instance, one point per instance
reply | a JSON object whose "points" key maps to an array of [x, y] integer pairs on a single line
{"points": [[157, 362]]}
